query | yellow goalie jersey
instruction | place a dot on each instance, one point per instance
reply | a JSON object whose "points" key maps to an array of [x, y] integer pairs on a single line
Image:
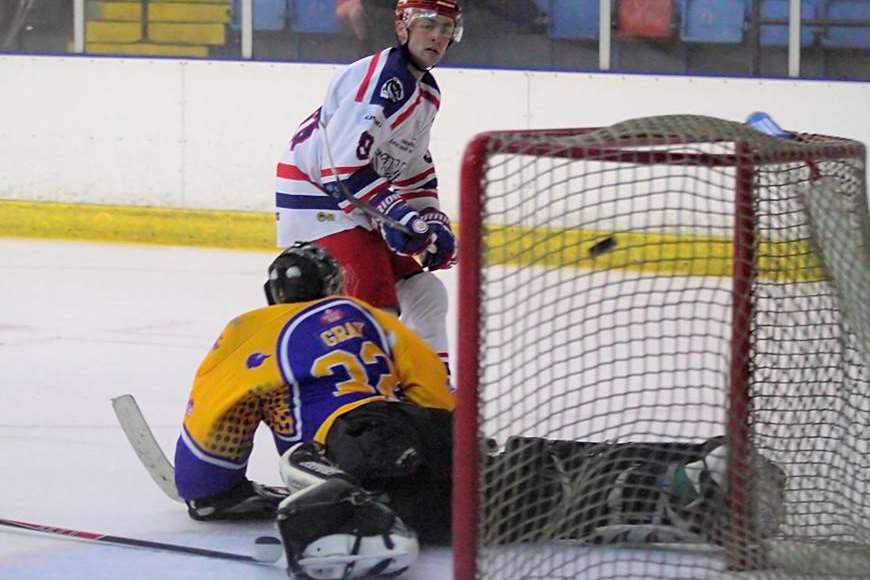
{"points": [[297, 367]]}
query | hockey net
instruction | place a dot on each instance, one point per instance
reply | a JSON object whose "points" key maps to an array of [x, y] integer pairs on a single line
{"points": [[666, 279]]}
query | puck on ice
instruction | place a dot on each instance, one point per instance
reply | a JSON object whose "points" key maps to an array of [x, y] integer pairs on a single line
{"points": [[267, 549]]}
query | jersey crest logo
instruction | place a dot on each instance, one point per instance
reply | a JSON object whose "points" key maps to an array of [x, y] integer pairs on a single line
{"points": [[256, 360], [392, 90], [330, 316]]}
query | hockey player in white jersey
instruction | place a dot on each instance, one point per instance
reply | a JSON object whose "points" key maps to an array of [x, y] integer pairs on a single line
{"points": [[370, 140]]}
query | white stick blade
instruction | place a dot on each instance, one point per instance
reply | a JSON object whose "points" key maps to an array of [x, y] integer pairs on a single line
{"points": [[145, 445]]}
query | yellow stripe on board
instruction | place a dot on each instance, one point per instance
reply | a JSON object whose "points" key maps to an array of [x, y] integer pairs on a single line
{"points": [[153, 225], [648, 252], [656, 253]]}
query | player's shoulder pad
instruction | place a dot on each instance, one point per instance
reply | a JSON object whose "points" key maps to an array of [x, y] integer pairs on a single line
{"points": [[395, 84]]}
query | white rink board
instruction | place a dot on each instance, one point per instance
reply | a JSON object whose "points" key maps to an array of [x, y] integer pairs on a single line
{"points": [[208, 134]]}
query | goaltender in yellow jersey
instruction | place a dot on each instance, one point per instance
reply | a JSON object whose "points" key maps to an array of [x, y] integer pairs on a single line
{"points": [[297, 367]]}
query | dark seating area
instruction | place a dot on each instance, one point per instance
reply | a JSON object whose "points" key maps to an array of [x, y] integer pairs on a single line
{"points": [[727, 37], [850, 24], [740, 37]]}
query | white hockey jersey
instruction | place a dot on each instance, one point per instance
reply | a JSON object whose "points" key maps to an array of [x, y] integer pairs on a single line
{"points": [[377, 119]]}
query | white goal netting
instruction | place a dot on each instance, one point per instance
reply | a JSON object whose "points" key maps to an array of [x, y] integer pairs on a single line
{"points": [[667, 279]]}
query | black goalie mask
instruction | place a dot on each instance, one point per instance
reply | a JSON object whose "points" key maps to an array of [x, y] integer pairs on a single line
{"points": [[301, 273]]}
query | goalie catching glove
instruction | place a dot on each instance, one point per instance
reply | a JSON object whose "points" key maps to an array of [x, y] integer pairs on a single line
{"points": [[333, 529]]}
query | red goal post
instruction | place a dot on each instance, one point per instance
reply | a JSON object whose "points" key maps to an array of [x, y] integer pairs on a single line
{"points": [[668, 278]]}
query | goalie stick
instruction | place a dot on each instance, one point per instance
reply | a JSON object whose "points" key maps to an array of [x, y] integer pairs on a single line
{"points": [[142, 440], [135, 543]]}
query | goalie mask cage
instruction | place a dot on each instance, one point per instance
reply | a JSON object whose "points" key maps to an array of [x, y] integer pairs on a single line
{"points": [[665, 279]]}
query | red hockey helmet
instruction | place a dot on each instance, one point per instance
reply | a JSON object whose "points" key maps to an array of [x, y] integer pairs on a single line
{"points": [[409, 10]]}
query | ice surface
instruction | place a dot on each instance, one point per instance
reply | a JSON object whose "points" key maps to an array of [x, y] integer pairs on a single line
{"points": [[79, 324]]}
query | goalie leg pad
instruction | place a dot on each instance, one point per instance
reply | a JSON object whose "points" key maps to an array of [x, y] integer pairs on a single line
{"points": [[305, 465], [337, 530]]}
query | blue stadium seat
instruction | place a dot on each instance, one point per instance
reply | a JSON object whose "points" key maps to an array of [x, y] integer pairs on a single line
{"points": [[314, 17], [777, 35], [842, 36], [712, 21], [269, 15], [573, 19]]}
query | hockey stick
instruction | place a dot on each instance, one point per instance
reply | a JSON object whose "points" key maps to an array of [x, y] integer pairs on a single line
{"points": [[142, 440], [148, 544], [349, 197]]}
